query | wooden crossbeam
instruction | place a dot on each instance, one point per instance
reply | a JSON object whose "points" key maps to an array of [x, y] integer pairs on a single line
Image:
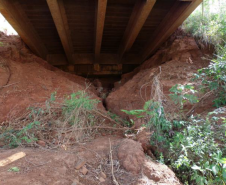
{"points": [[87, 58], [14, 14], [140, 13], [176, 16], [59, 16], [100, 19], [89, 69]]}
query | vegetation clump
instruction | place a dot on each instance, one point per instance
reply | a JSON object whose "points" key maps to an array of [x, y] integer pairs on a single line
{"points": [[196, 150], [208, 22], [58, 124]]}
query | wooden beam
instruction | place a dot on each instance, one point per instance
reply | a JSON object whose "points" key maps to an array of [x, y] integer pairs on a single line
{"points": [[100, 19], [140, 14], [90, 69], [59, 16], [87, 58], [176, 16], [14, 14]]}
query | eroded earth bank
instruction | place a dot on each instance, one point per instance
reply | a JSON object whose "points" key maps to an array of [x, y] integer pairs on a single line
{"points": [[60, 153]]}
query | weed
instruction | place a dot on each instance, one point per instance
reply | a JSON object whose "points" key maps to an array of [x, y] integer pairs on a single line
{"points": [[195, 155], [14, 169], [182, 94], [193, 151], [206, 24], [154, 114], [15, 138], [55, 123]]}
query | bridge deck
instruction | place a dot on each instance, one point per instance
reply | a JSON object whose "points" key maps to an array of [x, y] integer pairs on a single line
{"points": [[96, 37]]}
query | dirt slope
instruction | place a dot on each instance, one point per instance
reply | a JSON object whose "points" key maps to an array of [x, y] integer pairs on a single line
{"points": [[48, 167], [180, 60], [26, 80]]}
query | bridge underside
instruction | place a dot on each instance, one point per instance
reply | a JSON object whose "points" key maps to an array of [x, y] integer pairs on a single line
{"points": [[96, 37]]}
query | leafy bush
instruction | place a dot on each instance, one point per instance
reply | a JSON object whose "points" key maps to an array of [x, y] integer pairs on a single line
{"points": [[79, 100], [75, 117], [213, 77], [15, 138], [193, 151], [154, 114], [208, 23], [78, 108], [195, 155], [182, 94]]}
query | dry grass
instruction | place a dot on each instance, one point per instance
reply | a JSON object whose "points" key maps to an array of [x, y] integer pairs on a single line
{"points": [[157, 95], [56, 127]]}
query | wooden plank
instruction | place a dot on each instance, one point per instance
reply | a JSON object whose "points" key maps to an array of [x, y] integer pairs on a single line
{"points": [[59, 16], [100, 19], [12, 158], [14, 14], [140, 13], [175, 17]]}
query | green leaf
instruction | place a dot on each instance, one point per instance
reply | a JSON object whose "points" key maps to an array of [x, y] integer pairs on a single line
{"points": [[195, 167], [215, 169], [223, 160], [201, 180], [14, 169], [147, 105], [134, 112], [191, 98], [53, 97], [224, 174]]}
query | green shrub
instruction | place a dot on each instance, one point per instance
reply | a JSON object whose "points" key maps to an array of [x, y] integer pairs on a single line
{"points": [[213, 78], [78, 107], [195, 155], [181, 94], [79, 100], [208, 23], [153, 113], [193, 151], [75, 114], [26, 135]]}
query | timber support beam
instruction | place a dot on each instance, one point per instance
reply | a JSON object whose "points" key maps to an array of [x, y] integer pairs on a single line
{"points": [[140, 13], [59, 16], [100, 19], [14, 14], [175, 17]]}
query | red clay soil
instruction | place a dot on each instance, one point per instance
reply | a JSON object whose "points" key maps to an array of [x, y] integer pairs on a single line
{"points": [[87, 164], [26, 80], [180, 60]]}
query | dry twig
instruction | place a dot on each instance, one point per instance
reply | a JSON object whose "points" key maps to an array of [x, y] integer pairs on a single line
{"points": [[112, 167]]}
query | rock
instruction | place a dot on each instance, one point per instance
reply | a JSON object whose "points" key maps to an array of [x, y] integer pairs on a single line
{"points": [[75, 182], [80, 164], [131, 155], [101, 179], [41, 143], [102, 174], [156, 172], [84, 170]]}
